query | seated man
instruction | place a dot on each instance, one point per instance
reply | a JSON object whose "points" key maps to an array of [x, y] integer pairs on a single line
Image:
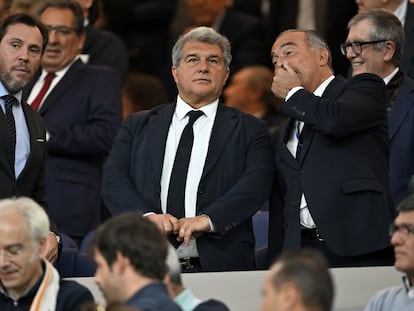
{"points": [[27, 280], [402, 238], [299, 280], [130, 253], [182, 295]]}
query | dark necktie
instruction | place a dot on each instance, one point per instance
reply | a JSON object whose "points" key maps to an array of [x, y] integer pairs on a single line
{"points": [[176, 189], [300, 143], [10, 101], [46, 84]]}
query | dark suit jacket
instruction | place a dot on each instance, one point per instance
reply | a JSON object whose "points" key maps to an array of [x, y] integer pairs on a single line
{"points": [[82, 115], [235, 182], [106, 49], [342, 169], [153, 297], [407, 63], [31, 182], [401, 135]]}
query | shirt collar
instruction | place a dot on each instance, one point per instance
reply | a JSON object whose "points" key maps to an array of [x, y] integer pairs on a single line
{"points": [[388, 78], [321, 88], [4, 92], [401, 11], [183, 108]]}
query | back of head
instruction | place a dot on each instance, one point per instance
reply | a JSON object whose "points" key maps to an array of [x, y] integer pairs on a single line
{"points": [[173, 266], [136, 238], [384, 26], [308, 270], [35, 215], [144, 91]]}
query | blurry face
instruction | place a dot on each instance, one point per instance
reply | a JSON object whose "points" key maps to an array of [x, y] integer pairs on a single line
{"points": [[20, 54], [364, 5], [64, 44], [404, 244], [201, 75], [272, 299], [205, 12], [293, 48], [369, 60], [20, 265], [107, 279], [237, 93]]}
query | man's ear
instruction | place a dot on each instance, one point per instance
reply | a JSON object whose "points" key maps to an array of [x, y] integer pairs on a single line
{"points": [[290, 296], [389, 50], [323, 57]]}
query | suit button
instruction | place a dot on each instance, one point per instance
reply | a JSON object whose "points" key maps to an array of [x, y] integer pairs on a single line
{"points": [[200, 191], [302, 171], [295, 203]]}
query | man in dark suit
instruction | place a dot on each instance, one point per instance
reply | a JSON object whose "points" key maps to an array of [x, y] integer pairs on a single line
{"points": [[333, 162], [404, 10], [383, 59], [230, 169], [22, 160], [82, 111]]}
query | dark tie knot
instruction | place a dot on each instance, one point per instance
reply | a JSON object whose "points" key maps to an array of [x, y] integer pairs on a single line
{"points": [[194, 115], [9, 100]]}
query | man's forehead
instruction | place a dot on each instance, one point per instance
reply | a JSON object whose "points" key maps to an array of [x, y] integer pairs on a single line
{"points": [[406, 217]]}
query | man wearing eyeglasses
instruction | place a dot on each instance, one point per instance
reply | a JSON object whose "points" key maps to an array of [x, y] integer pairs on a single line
{"points": [[332, 166], [81, 106], [404, 10], [374, 45], [402, 238]]}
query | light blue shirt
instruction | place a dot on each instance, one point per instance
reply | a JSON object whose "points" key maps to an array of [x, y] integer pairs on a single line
{"points": [[392, 299], [186, 300], [22, 132]]}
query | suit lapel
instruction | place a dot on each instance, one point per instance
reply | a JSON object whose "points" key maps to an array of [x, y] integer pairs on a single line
{"points": [[224, 125], [5, 137], [159, 125], [65, 83]]}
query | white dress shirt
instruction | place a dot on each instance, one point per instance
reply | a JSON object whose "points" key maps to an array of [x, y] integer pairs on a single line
{"points": [[306, 219], [202, 132]]}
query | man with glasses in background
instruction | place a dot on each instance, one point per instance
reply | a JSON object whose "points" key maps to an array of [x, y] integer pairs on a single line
{"points": [[374, 44], [332, 166], [82, 109], [402, 238]]}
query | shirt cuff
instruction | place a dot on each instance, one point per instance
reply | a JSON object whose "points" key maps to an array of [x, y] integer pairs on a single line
{"points": [[292, 91]]}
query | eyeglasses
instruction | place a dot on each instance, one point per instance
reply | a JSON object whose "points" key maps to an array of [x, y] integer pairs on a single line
{"points": [[61, 30], [357, 46], [404, 229]]}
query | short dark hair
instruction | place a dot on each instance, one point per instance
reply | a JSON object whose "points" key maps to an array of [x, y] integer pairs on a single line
{"points": [[406, 205], [70, 5], [136, 238], [22, 18], [307, 269]]}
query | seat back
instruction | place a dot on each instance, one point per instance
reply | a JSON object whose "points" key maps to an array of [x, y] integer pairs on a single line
{"points": [[73, 263]]}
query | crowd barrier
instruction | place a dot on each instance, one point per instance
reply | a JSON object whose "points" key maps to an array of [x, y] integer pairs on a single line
{"points": [[241, 291]]}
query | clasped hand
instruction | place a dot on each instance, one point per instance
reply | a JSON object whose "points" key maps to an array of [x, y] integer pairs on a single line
{"points": [[185, 228]]}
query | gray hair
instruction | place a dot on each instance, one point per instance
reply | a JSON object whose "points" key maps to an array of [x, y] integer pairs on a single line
{"points": [[205, 35], [314, 40], [36, 216], [385, 26], [173, 266]]}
